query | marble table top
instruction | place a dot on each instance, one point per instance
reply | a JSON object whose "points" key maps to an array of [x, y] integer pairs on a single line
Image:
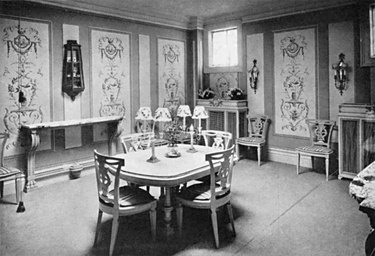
{"points": [[362, 187]]}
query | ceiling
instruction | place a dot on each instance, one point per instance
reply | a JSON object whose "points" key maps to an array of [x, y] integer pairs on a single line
{"points": [[195, 13]]}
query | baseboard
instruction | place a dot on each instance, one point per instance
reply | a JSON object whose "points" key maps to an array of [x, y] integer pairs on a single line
{"points": [[287, 156], [50, 175]]}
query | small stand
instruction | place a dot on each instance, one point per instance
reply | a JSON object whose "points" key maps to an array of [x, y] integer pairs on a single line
{"points": [[191, 149], [153, 158]]}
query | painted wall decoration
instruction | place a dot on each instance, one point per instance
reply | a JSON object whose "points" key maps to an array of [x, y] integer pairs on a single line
{"points": [[171, 60], [110, 60], [25, 78], [295, 81], [220, 83]]}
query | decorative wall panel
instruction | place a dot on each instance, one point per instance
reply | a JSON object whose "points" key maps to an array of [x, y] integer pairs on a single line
{"points": [[295, 81], [144, 71], [255, 50], [72, 108], [25, 77], [171, 61], [110, 67], [340, 40], [221, 82]]}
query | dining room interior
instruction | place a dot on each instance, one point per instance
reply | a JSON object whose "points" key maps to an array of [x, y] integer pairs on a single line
{"points": [[221, 127]]}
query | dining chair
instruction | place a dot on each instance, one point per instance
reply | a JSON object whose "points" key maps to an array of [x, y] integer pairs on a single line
{"points": [[134, 142], [119, 201], [217, 139], [320, 142], [210, 195], [8, 173], [257, 135]]}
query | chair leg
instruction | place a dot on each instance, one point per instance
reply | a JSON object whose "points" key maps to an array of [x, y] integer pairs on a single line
{"points": [[312, 163], [100, 214], [327, 168], [259, 154], [153, 222], [298, 162], [238, 151], [113, 233], [19, 191], [215, 227], [179, 213], [1, 189], [17, 184], [230, 213]]}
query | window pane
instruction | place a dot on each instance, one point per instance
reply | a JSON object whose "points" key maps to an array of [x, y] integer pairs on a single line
{"points": [[219, 48], [224, 48], [232, 47]]}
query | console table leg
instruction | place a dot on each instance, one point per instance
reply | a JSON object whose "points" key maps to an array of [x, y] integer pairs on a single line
{"points": [[30, 176], [113, 132]]}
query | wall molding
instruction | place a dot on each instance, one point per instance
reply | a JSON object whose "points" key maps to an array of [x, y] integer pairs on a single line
{"points": [[287, 156]]}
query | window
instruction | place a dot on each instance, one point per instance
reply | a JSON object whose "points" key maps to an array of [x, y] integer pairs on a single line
{"points": [[224, 48], [372, 31]]}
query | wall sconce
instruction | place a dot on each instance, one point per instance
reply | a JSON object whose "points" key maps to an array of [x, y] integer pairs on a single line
{"points": [[341, 78], [253, 78], [72, 69]]}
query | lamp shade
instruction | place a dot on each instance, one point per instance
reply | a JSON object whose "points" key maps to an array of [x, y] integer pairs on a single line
{"points": [[183, 111], [144, 113], [200, 113], [162, 115]]}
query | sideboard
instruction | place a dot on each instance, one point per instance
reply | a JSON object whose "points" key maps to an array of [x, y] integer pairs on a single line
{"points": [[33, 131], [356, 138]]}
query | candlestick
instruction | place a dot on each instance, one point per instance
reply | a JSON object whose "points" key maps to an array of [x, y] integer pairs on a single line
{"points": [[191, 149], [153, 158]]}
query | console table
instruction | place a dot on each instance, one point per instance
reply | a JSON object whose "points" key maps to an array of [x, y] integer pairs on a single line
{"points": [[33, 131], [362, 188], [226, 115]]}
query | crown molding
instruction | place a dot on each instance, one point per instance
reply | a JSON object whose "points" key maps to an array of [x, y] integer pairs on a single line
{"points": [[296, 10], [179, 22], [187, 23]]}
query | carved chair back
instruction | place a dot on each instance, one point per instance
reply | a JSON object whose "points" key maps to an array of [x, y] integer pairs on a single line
{"points": [[217, 139], [258, 126], [320, 132]]}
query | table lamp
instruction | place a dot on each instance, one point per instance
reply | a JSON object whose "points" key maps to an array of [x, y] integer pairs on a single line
{"points": [[183, 111], [162, 115], [199, 113], [144, 114]]}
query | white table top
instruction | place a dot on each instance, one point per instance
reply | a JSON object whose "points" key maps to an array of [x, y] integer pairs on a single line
{"points": [[363, 187], [168, 171], [77, 122]]}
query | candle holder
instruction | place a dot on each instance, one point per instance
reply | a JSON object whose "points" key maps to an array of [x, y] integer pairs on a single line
{"points": [[153, 158], [191, 132]]}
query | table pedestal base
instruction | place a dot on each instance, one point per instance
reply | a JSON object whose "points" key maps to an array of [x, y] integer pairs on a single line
{"points": [[168, 208]]}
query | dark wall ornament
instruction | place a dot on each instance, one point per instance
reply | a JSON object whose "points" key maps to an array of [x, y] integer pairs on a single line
{"points": [[73, 82]]}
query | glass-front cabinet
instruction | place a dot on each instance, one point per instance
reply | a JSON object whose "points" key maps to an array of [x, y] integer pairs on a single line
{"points": [[356, 138]]}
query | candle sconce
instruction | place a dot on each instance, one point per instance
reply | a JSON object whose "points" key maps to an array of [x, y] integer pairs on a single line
{"points": [[253, 76], [341, 76], [73, 82]]}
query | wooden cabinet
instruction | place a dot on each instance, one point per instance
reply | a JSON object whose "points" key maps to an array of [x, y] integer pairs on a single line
{"points": [[226, 115], [356, 138]]}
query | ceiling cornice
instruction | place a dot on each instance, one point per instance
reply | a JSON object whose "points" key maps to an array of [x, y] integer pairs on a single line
{"points": [[296, 10], [163, 20], [186, 23]]}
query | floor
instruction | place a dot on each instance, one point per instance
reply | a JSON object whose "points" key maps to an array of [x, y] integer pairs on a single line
{"points": [[277, 212]]}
